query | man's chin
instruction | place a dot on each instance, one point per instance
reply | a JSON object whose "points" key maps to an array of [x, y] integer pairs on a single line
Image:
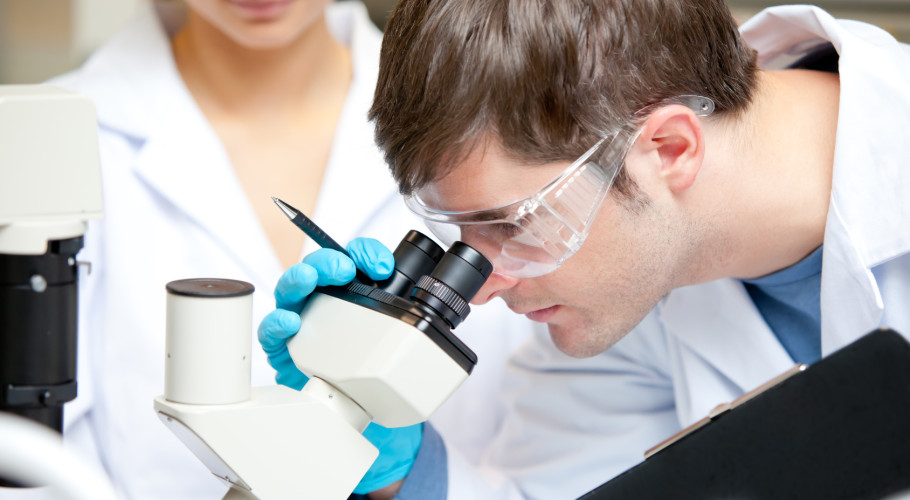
{"points": [[577, 342]]}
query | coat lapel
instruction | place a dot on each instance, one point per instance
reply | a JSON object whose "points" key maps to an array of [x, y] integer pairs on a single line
{"points": [[187, 166], [729, 336]]}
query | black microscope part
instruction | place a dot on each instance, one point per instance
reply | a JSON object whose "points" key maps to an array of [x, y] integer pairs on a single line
{"points": [[415, 256], [453, 283], [463, 269], [38, 318]]}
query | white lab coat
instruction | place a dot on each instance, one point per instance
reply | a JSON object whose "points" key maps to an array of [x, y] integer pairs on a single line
{"points": [[174, 209], [572, 425]]}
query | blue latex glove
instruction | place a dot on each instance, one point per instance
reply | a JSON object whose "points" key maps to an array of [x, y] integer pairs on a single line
{"points": [[397, 451], [397, 447], [320, 268]]}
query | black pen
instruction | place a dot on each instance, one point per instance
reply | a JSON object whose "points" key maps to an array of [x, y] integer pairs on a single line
{"points": [[309, 227], [316, 233]]}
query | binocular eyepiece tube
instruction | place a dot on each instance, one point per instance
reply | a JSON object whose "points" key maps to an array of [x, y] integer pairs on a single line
{"points": [[444, 282]]}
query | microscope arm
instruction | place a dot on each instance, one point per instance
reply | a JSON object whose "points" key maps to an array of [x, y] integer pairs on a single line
{"points": [[280, 443]]}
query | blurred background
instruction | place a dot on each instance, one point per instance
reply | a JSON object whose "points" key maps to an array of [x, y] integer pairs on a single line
{"points": [[43, 38]]}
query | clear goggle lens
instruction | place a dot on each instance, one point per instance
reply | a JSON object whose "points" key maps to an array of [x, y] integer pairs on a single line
{"points": [[533, 236]]}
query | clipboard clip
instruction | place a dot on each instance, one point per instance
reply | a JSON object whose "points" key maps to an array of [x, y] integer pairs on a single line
{"points": [[723, 408]]}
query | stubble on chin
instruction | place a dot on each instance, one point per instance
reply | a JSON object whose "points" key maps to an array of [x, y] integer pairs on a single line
{"points": [[582, 340], [587, 334]]}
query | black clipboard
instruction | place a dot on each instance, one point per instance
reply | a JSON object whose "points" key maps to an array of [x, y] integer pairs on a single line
{"points": [[839, 429]]}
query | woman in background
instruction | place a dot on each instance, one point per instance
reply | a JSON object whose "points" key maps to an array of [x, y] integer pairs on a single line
{"points": [[206, 109]]}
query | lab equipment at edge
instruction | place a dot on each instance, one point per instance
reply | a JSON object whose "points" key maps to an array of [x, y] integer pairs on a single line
{"points": [[50, 186]]}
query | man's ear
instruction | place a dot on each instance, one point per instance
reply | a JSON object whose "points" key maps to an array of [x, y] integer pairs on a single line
{"points": [[675, 134]]}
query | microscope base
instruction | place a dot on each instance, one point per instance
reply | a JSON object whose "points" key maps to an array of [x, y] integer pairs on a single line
{"points": [[279, 444]]}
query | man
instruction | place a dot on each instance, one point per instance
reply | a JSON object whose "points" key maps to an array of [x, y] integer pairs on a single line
{"points": [[736, 202]]}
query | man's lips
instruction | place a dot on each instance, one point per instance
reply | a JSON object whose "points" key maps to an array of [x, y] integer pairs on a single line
{"points": [[540, 315]]}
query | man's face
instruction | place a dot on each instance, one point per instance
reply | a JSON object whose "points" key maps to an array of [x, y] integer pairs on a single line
{"points": [[625, 266]]}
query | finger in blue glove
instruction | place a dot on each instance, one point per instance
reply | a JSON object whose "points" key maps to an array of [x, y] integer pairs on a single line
{"points": [[274, 330], [397, 451], [294, 286], [321, 268], [372, 257]]}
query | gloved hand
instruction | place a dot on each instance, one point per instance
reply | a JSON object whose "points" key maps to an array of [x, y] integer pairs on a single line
{"points": [[320, 268], [397, 451], [397, 447]]}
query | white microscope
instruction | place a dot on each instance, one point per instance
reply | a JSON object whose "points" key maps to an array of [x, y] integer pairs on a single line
{"points": [[381, 352]]}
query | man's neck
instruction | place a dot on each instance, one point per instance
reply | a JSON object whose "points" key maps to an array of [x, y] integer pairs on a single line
{"points": [[773, 173]]}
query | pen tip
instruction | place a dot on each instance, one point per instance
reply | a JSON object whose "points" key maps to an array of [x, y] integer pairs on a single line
{"points": [[288, 210]]}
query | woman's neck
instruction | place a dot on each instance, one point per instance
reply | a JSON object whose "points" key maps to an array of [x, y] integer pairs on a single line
{"points": [[275, 111]]}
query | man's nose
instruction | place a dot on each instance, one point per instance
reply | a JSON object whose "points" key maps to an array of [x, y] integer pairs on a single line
{"points": [[495, 284]]}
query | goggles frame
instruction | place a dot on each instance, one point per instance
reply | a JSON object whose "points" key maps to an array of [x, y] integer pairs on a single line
{"points": [[535, 234]]}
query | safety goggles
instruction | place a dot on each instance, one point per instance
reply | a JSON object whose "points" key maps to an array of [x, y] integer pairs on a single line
{"points": [[534, 235]]}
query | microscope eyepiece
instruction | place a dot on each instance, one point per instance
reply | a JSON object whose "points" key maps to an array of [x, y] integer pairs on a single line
{"points": [[415, 256], [467, 273], [453, 283]]}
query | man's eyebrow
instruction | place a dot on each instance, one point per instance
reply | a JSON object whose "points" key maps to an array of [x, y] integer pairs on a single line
{"points": [[487, 215]]}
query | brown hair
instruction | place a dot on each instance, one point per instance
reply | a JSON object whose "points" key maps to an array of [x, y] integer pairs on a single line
{"points": [[546, 78]]}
